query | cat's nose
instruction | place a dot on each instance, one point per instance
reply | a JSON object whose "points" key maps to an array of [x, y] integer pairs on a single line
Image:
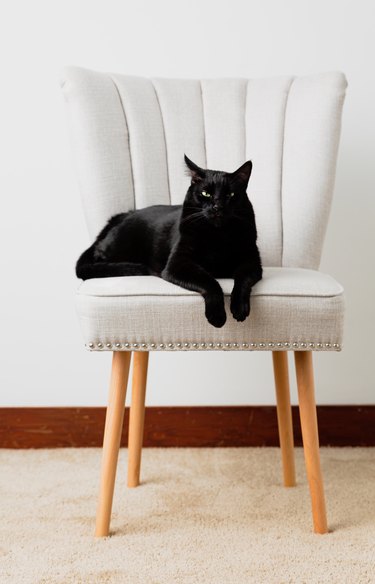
{"points": [[215, 207]]}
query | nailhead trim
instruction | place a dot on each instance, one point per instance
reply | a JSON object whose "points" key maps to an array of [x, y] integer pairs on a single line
{"points": [[212, 346]]}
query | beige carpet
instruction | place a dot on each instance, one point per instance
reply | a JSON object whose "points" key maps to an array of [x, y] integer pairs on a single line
{"points": [[201, 516]]}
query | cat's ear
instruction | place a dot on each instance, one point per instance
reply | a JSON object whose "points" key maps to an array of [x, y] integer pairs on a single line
{"points": [[241, 176], [195, 172]]}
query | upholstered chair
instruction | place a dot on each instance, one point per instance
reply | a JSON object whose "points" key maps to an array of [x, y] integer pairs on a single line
{"points": [[129, 135]]}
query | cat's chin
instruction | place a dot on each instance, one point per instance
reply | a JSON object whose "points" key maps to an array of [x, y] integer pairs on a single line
{"points": [[217, 221]]}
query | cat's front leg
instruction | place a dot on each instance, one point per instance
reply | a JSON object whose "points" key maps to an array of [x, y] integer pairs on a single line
{"points": [[184, 272], [215, 309], [245, 277]]}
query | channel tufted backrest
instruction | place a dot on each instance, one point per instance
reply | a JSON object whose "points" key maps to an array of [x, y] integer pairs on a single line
{"points": [[129, 135]]}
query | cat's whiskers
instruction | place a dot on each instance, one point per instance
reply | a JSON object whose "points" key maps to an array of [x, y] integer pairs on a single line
{"points": [[192, 208], [194, 217], [244, 219]]}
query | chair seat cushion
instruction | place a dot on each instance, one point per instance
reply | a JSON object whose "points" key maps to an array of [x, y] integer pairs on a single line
{"points": [[291, 308]]}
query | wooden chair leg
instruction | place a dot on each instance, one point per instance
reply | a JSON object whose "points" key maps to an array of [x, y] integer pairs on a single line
{"points": [[309, 425], [284, 416], [137, 415], [112, 437]]}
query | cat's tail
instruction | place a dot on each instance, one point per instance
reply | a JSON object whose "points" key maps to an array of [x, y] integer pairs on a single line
{"points": [[87, 268], [104, 270]]}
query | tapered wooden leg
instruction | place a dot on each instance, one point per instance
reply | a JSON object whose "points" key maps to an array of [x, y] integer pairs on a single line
{"points": [[309, 425], [112, 436], [137, 416], [284, 416]]}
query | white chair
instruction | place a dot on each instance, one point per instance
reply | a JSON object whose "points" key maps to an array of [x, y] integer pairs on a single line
{"points": [[129, 135]]}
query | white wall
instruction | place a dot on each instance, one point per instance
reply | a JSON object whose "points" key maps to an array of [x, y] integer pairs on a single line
{"points": [[42, 230]]}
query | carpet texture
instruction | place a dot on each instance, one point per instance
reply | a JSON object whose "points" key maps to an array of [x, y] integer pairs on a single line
{"points": [[200, 516]]}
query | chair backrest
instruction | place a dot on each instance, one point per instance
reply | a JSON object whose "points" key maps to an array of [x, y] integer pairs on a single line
{"points": [[129, 135]]}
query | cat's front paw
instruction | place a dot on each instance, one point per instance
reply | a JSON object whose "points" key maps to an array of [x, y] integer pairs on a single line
{"points": [[239, 307], [215, 311]]}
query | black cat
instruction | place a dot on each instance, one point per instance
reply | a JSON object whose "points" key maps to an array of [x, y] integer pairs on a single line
{"points": [[212, 235]]}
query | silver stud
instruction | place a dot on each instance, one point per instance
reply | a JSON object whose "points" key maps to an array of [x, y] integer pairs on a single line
{"points": [[152, 345], [271, 344], [170, 345], [127, 345], [262, 345], [253, 345], [295, 345], [186, 345], [219, 345], [228, 345], [203, 345], [162, 345], [118, 345], [328, 345], [135, 345], [287, 345], [211, 345], [319, 345], [144, 345], [108, 345], [100, 345], [336, 346], [245, 345], [91, 345], [279, 345], [178, 345], [303, 345], [195, 345], [235, 345], [312, 345]]}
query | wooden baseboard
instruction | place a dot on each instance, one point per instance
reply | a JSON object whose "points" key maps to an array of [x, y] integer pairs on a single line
{"points": [[182, 426]]}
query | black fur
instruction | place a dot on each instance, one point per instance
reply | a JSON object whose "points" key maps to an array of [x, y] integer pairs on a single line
{"points": [[208, 237]]}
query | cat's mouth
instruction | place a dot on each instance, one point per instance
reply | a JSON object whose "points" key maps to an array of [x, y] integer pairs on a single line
{"points": [[217, 220]]}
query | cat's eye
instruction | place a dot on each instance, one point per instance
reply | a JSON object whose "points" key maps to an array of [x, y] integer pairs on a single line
{"points": [[231, 195], [205, 194]]}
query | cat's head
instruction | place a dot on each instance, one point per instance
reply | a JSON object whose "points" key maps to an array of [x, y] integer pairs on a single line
{"points": [[217, 195]]}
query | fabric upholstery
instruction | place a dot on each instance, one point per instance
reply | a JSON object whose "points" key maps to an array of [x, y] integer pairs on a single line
{"points": [[289, 306], [311, 139], [129, 135]]}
